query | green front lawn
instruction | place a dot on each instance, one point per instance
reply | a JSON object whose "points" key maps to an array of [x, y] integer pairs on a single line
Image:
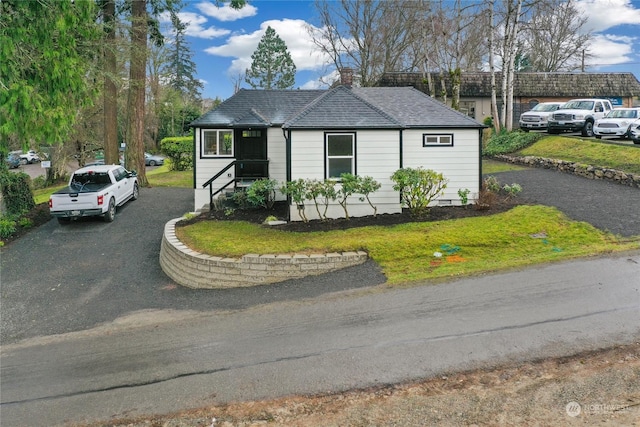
{"points": [[524, 236], [620, 157]]}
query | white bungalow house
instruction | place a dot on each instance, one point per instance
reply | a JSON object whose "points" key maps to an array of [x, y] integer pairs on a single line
{"points": [[319, 134]]}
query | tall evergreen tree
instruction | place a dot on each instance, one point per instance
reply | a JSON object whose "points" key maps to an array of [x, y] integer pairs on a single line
{"points": [[47, 50], [181, 68], [271, 66]]}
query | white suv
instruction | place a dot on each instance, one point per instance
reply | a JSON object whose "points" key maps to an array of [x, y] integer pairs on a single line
{"points": [[29, 157], [537, 117], [616, 123], [579, 115]]}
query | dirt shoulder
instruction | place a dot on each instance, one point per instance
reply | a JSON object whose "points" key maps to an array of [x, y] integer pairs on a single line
{"points": [[598, 388]]}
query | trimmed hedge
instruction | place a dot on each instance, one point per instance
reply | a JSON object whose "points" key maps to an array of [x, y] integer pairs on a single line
{"points": [[180, 150], [508, 142], [16, 192]]}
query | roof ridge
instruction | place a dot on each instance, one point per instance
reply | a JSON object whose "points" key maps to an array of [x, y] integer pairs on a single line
{"points": [[331, 92]]}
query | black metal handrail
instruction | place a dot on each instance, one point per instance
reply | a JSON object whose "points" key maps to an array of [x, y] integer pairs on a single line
{"points": [[219, 174]]}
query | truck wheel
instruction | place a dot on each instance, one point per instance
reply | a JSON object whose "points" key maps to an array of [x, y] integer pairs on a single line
{"points": [[136, 192], [587, 130], [110, 215]]}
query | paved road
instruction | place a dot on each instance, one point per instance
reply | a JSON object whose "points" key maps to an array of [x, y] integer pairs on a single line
{"points": [[159, 363]]}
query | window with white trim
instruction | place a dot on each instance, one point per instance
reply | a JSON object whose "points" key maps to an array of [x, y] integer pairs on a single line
{"points": [[216, 143], [340, 151], [437, 140]]}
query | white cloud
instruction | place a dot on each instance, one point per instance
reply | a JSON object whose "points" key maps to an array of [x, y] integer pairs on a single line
{"points": [[195, 26], [304, 52], [610, 50], [226, 12], [604, 14]]}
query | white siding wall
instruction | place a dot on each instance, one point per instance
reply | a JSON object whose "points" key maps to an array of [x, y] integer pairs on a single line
{"points": [[205, 169], [460, 164], [277, 155], [377, 155]]}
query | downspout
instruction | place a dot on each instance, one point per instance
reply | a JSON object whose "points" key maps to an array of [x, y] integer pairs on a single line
{"points": [[480, 135], [287, 141], [195, 162], [194, 157], [401, 160]]}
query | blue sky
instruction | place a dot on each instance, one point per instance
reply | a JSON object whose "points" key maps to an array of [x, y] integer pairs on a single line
{"points": [[223, 39]]}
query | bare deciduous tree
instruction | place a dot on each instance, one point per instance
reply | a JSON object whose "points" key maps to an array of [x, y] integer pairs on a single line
{"points": [[554, 39], [371, 37]]}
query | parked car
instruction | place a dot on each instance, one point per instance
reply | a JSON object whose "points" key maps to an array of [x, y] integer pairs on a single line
{"points": [[29, 157], [13, 159], [152, 160], [634, 132], [578, 115], [616, 123], [537, 117], [94, 191]]}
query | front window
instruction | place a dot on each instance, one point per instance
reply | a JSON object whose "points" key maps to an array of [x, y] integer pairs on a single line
{"points": [[340, 149], [437, 140], [217, 143]]}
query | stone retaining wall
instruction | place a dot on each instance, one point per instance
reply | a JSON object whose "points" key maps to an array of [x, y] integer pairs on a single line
{"points": [[196, 270], [587, 171]]}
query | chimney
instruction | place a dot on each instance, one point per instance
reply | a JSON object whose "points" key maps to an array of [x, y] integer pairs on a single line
{"points": [[346, 76]]}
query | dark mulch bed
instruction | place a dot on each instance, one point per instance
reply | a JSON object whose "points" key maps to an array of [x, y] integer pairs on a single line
{"points": [[279, 210]]}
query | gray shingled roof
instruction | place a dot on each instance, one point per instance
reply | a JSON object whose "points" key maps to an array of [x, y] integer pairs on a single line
{"points": [[584, 85], [257, 108], [338, 108], [341, 108], [413, 108]]}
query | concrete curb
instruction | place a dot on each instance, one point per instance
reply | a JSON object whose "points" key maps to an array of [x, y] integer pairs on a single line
{"points": [[196, 270]]}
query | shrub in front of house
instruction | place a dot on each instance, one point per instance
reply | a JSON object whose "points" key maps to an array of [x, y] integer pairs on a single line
{"points": [[323, 192], [297, 191], [262, 193], [418, 187]]}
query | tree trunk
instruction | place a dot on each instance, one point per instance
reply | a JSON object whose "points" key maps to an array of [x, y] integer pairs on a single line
{"points": [[456, 82], [512, 57], [110, 90], [492, 69], [134, 158]]}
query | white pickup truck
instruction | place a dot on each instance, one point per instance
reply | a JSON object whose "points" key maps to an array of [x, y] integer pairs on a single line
{"points": [[93, 191], [578, 115]]}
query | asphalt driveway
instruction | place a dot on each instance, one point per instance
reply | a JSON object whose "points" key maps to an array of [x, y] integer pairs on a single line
{"points": [[605, 205], [59, 279]]}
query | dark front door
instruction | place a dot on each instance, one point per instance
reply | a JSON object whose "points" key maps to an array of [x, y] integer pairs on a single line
{"points": [[251, 153]]}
